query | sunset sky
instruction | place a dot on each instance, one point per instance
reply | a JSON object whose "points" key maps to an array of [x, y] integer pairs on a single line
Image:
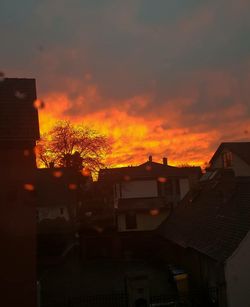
{"points": [[161, 77]]}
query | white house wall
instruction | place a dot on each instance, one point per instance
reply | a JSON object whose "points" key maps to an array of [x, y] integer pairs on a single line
{"points": [[237, 272], [184, 187], [145, 221], [52, 213], [240, 167], [137, 189]]}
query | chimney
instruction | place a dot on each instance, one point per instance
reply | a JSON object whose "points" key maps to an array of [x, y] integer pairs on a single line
{"points": [[150, 159], [165, 161]]}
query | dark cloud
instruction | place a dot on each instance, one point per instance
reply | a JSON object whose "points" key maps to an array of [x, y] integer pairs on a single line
{"points": [[186, 63]]}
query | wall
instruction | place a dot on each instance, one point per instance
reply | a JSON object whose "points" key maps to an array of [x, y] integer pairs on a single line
{"points": [[145, 221], [204, 274], [207, 275], [184, 186], [18, 132], [145, 188], [18, 228], [52, 213], [237, 272], [240, 167]]}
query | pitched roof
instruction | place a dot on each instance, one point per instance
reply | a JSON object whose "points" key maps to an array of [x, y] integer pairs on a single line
{"points": [[241, 149], [148, 169], [213, 218], [18, 116]]}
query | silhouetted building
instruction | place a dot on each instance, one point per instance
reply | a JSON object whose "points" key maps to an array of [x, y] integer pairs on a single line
{"points": [[232, 155], [60, 193], [208, 234], [19, 131], [143, 196]]}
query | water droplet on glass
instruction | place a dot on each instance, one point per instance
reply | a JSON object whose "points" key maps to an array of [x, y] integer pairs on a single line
{"points": [[57, 174], [162, 179], [154, 212], [39, 104], [85, 172], [72, 186], [20, 95], [28, 187], [26, 152]]}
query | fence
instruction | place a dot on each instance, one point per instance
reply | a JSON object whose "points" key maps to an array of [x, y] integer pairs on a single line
{"points": [[107, 300], [195, 299], [111, 300]]}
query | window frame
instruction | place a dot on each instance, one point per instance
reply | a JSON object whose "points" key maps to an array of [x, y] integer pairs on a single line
{"points": [[130, 220], [227, 159]]}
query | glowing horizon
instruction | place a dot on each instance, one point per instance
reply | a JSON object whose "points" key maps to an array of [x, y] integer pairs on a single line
{"points": [[133, 138], [165, 78]]}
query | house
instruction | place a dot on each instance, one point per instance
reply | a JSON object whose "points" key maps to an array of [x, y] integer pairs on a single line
{"points": [[144, 195], [19, 131], [60, 192], [209, 235], [97, 233], [233, 155]]}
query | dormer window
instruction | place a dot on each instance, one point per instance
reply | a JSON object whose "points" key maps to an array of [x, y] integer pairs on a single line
{"points": [[227, 159]]}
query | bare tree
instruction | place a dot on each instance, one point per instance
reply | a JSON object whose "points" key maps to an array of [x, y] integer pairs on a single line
{"points": [[78, 146]]}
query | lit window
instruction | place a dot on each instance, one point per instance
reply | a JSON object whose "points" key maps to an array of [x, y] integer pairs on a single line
{"points": [[227, 159]]}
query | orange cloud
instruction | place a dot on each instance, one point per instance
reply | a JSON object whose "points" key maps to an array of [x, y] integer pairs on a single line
{"points": [[186, 126], [135, 137]]}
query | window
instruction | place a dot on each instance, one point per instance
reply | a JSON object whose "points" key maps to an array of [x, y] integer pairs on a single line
{"points": [[161, 188], [178, 188], [130, 220], [169, 187], [139, 189], [227, 159], [61, 211]]}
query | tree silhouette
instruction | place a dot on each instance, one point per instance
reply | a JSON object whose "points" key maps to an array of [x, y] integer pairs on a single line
{"points": [[68, 145]]}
